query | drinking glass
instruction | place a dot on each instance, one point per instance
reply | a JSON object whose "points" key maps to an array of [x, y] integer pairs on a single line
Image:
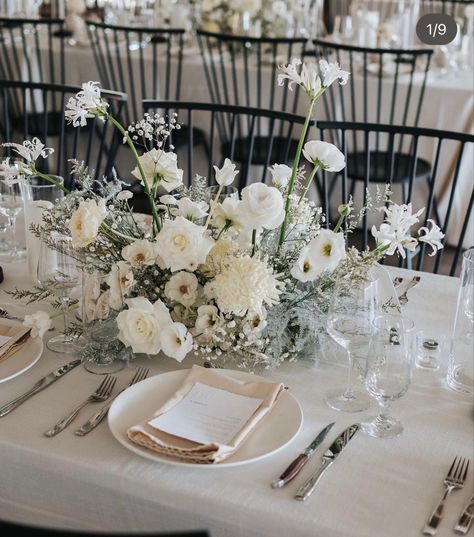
{"points": [[351, 313], [59, 273], [11, 204], [226, 192], [388, 372]]}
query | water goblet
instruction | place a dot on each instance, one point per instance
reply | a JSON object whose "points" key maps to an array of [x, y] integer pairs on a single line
{"points": [[350, 316], [11, 204], [388, 371]]}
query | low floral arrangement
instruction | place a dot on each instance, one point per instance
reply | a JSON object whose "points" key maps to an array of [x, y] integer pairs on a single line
{"points": [[244, 279]]}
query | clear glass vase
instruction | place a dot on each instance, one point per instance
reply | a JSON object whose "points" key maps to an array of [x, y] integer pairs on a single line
{"points": [[102, 300]]}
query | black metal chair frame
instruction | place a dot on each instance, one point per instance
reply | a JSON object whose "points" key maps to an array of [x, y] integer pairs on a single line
{"points": [[416, 133]]}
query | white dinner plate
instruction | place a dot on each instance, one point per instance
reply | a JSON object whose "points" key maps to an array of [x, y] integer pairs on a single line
{"points": [[138, 403], [23, 359]]}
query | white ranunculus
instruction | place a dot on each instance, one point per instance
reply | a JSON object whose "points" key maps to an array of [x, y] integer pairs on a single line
{"points": [[39, 322], [183, 245], [140, 253], [182, 287], [323, 253], [281, 174], [227, 213], [325, 155], [191, 210], [85, 222], [160, 166], [225, 176], [176, 341], [262, 207]]}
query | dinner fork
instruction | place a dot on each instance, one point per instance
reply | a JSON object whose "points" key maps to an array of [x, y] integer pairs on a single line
{"points": [[454, 480], [140, 374], [397, 281], [101, 394], [403, 298]]}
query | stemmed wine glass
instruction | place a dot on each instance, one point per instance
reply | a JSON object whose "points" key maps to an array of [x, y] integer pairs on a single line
{"points": [[11, 204], [58, 272], [350, 316], [388, 373]]}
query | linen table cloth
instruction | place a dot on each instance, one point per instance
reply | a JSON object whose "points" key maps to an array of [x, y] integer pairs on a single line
{"points": [[377, 487]]}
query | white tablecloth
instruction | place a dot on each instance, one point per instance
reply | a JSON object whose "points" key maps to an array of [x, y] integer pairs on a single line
{"points": [[377, 488]]}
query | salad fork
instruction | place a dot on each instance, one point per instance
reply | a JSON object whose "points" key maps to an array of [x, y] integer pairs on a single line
{"points": [[454, 480], [140, 374], [101, 394]]}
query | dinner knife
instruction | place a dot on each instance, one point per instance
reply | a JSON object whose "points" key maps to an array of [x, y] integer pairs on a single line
{"points": [[297, 464], [40, 385], [465, 520], [328, 459]]}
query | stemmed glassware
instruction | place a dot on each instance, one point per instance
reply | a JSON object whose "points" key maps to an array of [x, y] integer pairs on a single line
{"points": [[59, 273], [11, 204], [350, 316], [388, 371]]}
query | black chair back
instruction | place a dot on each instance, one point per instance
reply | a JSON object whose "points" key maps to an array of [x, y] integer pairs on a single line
{"points": [[454, 8], [30, 110], [32, 50], [146, 63], [238, 141], [445, 194]]}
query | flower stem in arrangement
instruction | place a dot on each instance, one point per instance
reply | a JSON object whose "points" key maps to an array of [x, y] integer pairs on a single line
{"points": [[156, 218], [214, 201], [254, 241], [310, 180], [50, 180]]}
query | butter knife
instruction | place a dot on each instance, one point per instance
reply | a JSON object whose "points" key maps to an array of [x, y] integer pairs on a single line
{"points": [[40, 385], [297, 464], [328, 459], [465, 520]]}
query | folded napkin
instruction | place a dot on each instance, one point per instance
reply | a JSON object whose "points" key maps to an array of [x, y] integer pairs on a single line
{"points": [[9, 335], [187, 450]]}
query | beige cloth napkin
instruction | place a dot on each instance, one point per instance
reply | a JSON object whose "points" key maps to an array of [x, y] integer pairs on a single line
{"points": [[189, 451], [14, 333]]}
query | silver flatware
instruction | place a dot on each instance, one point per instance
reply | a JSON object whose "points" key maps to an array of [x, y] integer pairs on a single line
{"points": [[140, 374], [454, 480], [297, 464], [39, 386], [465, 520], [397, 281], [327, 461], [403, 298], [101, 394]]}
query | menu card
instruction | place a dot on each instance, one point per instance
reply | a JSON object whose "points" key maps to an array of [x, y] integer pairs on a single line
{"points": [[207, 415]]}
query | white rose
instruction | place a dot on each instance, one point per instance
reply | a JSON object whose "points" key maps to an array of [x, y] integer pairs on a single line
{"points": [[325, 155], [262, 206], [139, 253], [176, 341], [160, 166], [225, 176], [281, 174], [85, 222], [39, 322], [191, 210], [323, 253], [183, 245], [182, 288], [227, 213], [120, 280]]}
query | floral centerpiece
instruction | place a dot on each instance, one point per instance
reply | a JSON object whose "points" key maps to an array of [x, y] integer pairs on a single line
{"points": [[245, 279]]}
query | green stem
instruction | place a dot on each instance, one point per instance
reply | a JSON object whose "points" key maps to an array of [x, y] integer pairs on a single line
{"points": [[156, 218], [49, 179], [254, 241], [227, 225], [211, 205], [310, 180], [339, 223], [291, 184]]}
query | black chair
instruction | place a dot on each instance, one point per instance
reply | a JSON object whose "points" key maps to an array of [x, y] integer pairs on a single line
{"points": [[146, 63], [239, 136], [454, 8], [32, 50], [448, 150], [96, 144], [18, 530]]}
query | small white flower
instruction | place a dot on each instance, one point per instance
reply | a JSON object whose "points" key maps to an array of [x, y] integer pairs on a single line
{"points": [[86, 104], [432, 237], [208, 319], [167, 199], [281, 174], [30, 150], [139, 253], [11, 173], [262, 206], [176, 341], [76, 114], [321, 254], [124, 195], [307, 78], [182, 287], [86, 221], [332, 72], [39, 322], [256, 321], [227, 214], [226, 175], [160, 167], [324, 155], [191, 210]]}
